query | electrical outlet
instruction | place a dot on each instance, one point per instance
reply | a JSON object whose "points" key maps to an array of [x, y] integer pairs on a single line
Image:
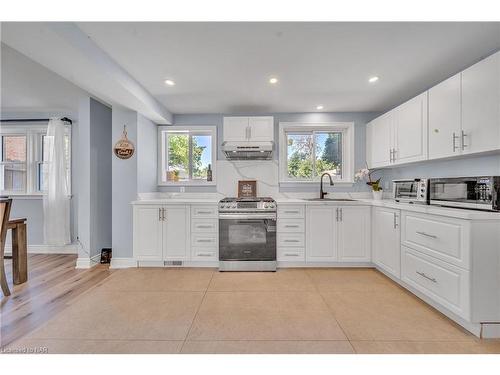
{"points": [[182, 189]]}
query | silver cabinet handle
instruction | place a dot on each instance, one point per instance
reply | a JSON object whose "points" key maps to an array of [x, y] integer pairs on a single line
{"points": [[341, 214], [291, 255], [337, 214], [394, 155], [463, 140], [204, 226], [159, 214], [204, 254], [426, 234], [390, 155], [394, 224], [454, 141], [164, 218], [427, 277], [204, 240], [291, 212], [291, 241], [204, 212], [291, 226]]}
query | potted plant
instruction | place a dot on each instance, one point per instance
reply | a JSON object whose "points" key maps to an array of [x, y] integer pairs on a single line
{"points": [[366, 174]]}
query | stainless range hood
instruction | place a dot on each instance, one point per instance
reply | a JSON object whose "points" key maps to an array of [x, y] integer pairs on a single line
{"points": [[248, 150]]}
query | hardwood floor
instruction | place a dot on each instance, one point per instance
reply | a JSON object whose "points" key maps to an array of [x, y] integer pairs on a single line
{"points": [[53, 283]]}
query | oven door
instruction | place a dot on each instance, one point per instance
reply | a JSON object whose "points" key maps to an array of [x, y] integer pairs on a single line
{"points": [[247, 237], [405, 190]]}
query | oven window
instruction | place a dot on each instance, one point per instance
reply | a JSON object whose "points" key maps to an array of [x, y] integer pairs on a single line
{"points": [[246, 234], [406, 190]]}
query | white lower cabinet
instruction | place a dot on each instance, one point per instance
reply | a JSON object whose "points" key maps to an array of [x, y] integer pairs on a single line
{"points": [[337, 234], [161, 233], [445, 283], [290, 238], [148, 233], [386, 240], [354, 227]]}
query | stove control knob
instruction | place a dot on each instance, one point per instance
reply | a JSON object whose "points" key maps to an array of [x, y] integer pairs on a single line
{"points": [[266, 205]]}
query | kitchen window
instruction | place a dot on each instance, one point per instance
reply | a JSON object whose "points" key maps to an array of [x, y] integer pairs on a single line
{"points": [[23, 167], [309, 150], [187, 155]]}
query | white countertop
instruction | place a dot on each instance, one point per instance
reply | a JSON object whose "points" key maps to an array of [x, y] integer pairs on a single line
{"points": [[214, 198]]}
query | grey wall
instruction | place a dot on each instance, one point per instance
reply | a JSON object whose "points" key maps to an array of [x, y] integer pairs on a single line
{"points": [[465, 166], [29, 90], [100, 177], [146, 149], [125, 182], [360, 120]]}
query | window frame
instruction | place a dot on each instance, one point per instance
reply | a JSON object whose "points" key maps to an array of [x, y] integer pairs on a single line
{"points": [[347, 130], [34, 133], [191, 130]]}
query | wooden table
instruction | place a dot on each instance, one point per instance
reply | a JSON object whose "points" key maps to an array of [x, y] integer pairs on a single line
{"points": [[19, 250]]}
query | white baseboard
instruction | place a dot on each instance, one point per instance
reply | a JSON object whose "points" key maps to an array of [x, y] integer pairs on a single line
{"points": [[83, 263], [117, 263], [490, 330], [47, 249]]}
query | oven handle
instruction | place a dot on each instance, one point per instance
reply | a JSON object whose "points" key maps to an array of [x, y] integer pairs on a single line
{"points": [[247, 217]]}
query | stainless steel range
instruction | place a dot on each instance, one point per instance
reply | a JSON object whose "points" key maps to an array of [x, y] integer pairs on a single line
{"points": [[247, 234]]}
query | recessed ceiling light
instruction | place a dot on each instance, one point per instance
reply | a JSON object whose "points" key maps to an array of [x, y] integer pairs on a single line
{"points": [[373, 79], [319, 107], [169, 82], [273, 80]]}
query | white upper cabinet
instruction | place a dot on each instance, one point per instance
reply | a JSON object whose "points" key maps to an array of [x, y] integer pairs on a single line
{"points": [[248, 129], [379, 139], [261, 129], [399, 136], [458, 116], [481, 106], [235, 129], [445, 118], [410, 130]]}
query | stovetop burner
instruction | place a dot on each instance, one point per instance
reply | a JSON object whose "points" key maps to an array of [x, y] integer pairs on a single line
{"points": [[257, 204]]}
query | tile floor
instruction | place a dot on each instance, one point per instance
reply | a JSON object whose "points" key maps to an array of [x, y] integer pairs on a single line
{"points": [[152, 310]]}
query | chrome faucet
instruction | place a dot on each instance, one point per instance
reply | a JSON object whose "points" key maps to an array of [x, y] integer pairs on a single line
{"points": [[321, 192]]}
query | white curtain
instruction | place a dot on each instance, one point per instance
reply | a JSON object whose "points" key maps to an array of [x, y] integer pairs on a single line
{"points": [[56, 204]]}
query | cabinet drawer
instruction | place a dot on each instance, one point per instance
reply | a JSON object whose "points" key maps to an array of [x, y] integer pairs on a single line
{"points": [[441, 237], [204, 240], [204, 226], [203, 254], [291, 254], [204, 211], [291, 240], [291, 211], [291, 225], [446, 284]]}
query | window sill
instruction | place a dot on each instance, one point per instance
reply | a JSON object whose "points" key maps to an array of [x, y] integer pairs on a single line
{"points": [[23, 196]]}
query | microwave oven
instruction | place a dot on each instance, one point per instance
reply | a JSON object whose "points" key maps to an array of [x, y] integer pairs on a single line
{"points": [[479, 193], [411, 190]]}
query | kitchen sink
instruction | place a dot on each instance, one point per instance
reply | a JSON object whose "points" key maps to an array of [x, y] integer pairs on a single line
{"points": [[331, 199]]}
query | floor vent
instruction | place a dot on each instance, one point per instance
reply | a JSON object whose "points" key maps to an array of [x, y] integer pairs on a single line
{"points": [[173, 263]]}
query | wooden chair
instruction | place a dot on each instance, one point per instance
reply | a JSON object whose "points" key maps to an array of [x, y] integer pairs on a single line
{"points": [[5, 205]]}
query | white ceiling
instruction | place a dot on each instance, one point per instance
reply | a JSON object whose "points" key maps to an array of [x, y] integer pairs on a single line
{"points": [[225, 67]]}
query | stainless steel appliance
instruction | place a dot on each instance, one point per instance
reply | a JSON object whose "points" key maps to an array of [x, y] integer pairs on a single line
{"points": [[248, 150], [411, 190], [479, 193], [247, 234]]}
